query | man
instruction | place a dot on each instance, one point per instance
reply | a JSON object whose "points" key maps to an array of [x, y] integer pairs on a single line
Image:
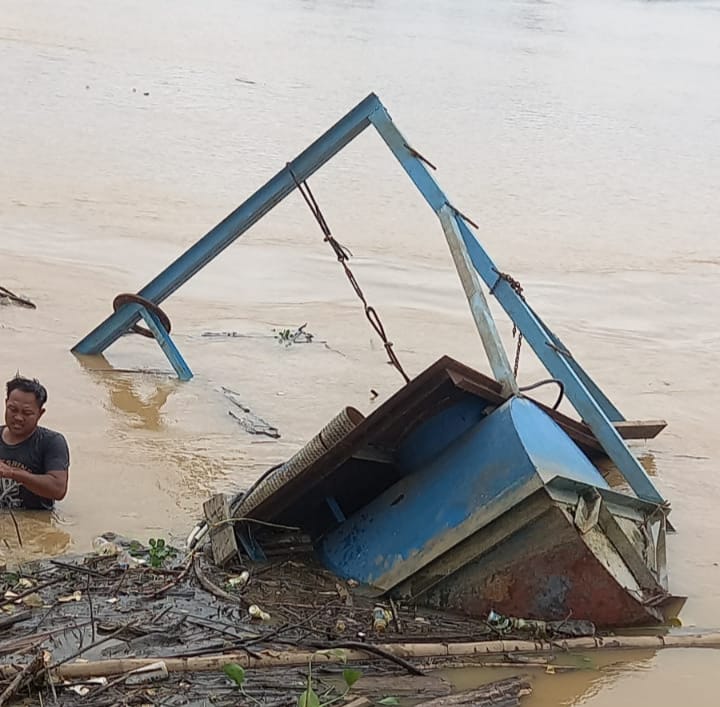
{"points": [[34, 461]]}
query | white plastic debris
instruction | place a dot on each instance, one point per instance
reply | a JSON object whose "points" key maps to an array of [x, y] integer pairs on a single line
{"points": [[148, 673]]}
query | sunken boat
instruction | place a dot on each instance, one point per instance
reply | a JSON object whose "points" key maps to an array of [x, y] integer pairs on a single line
{"points": [[459, 491], [453, 496]]}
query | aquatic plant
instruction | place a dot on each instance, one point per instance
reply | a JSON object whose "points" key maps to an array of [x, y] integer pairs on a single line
{"points": [[159, 552], [309, 697]]}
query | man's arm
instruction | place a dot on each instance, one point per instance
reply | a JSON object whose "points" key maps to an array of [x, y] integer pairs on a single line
{"points": [[52, 484]]}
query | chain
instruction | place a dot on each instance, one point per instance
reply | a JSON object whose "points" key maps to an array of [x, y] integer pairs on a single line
{"points": [[343, 255], [518, 288]]}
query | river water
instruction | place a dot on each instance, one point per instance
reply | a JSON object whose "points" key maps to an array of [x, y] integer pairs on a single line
{"points": [[582, 135]]}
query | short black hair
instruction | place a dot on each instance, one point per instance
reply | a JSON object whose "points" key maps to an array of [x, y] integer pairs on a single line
{"points": [[28, 385]]}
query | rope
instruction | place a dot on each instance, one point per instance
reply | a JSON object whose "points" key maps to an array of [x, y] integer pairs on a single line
{"points": [[518, 288], [343, 255]]}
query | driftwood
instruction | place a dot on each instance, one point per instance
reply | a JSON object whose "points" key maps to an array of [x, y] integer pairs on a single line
{"points": [[15, 618], [502, 693], [247, 419], [404, 650], [211, 587], [23, 676], [402, 686], [7, 295]]}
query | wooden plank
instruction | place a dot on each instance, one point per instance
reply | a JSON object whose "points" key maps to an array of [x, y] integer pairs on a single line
{"points": [[640, 429], [484, 387], [222, 533]]}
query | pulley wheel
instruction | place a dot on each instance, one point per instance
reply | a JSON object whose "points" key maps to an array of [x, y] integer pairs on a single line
{"points": [[127, 298]]}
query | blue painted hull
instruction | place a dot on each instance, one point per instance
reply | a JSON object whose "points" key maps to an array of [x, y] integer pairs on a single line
{"points": [[449, 493], [501, 510]]}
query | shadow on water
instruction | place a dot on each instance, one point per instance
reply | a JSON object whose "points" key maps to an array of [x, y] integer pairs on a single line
{"points": [[194, 459], [123, 386]]}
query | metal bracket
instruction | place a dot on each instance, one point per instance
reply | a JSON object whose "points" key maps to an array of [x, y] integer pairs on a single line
{"points": [[335, 509]]}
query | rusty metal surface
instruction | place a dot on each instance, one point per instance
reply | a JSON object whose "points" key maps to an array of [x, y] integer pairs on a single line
{"points": [[546, 571]]}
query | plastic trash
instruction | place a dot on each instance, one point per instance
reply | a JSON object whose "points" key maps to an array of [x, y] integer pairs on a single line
{"points": [[196, 535], [381, 618], [257, 613], [503, 624], [148, 673], [102, 546], [241, 580]]}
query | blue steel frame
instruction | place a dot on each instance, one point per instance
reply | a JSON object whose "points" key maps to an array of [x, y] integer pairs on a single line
{"points": [[586, 397]]}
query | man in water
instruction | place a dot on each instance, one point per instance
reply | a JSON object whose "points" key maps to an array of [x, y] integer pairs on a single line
{"points": [[34, 461]]}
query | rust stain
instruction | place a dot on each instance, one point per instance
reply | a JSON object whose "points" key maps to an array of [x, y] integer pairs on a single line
{"points": [[498, 587]]}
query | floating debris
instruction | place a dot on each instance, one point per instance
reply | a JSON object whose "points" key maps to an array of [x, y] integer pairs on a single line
{"points": [[247, 419], [9, 297], [288, 337]]}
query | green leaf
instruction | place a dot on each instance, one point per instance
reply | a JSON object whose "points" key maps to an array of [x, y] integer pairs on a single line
{"points": [[351, 676], [309, 699], [235, 672], [389, 701]]}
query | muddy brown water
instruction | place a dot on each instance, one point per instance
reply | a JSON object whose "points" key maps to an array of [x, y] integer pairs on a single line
{"points": [[582, 136]]}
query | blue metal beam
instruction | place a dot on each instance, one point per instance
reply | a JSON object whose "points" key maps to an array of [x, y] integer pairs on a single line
{"points": [[579, 388], [166, 344], [484, 322], [558, 364], [234, 225]]}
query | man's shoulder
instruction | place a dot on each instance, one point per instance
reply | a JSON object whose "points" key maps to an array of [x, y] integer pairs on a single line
{"points": [[54, 449], [48, 436]]}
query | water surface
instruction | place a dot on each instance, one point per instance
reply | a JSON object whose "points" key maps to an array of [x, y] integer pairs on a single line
{"points": [[583, 136]]}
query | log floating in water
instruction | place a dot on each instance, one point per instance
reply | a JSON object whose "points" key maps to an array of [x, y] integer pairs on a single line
{"points": [[404, 650], [7, 295], [501, 693]]}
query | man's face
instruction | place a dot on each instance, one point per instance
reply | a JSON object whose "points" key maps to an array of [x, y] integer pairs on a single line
{"points": [[22, 413]]}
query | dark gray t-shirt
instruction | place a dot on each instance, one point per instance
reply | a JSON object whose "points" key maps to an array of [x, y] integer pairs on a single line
{"points": [[44, 450]]}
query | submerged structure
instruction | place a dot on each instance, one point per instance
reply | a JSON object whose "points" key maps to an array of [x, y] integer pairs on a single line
{"points": [[459, 492]]}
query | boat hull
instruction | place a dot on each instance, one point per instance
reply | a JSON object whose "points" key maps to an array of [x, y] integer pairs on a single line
{"points": [[546, 570], [507, 516]]}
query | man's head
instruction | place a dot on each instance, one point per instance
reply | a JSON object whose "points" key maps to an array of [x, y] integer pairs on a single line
{"points": [[24, 406]]}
